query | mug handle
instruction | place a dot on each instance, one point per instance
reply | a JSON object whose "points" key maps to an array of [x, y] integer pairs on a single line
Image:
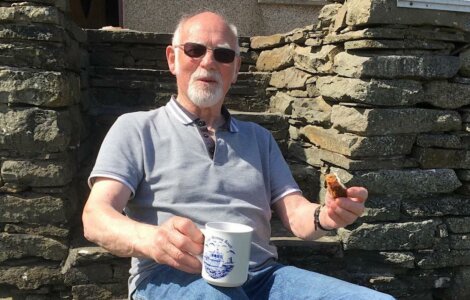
{"points": [[199, 256]]}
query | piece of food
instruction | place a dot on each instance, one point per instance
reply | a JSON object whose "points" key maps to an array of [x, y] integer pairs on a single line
{"points": [[335, 187]]}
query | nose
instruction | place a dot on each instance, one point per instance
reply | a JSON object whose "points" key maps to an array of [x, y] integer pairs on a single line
{"points": [[208, 61]]}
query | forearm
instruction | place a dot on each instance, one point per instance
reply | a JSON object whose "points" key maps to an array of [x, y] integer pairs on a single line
{"points": [[115, 232]]}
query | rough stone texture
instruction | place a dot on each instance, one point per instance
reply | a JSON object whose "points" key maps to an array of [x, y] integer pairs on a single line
{"points": [[37, 173], [395, 67], [398, 44], [49, 89], [30, 277], [31, 14], [373, 91], [289, 78], [447, 95], [442, 158], [34, 130], [264, 42], [358, 146], [407, 181], [458, 225], [371, 121], [16, 246], [276, 59], [446, 140], [465, 61], [436, 206], [396, 236], [316, 61]]}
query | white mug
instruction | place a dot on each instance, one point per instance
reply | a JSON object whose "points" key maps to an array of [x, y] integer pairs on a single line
{"points": [[226, 255]]}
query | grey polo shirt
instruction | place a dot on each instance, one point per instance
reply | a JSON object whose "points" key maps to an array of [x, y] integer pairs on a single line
{"points": [[160, 155]]}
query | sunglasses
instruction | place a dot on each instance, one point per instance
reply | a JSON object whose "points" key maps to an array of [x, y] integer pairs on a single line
{"points": [[195, 50]]}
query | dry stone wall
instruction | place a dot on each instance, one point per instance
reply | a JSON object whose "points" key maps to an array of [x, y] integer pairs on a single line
{"points": [[380, 96], [377, 94]]}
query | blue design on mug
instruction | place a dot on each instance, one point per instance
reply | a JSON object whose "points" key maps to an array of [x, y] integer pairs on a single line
{"points": [[218, 257]]}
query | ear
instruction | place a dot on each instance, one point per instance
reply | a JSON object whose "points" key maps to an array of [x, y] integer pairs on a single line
{"points": [[171, 58], [238, 63]]}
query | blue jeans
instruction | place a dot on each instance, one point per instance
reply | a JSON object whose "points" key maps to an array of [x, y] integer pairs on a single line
{"points": [[273, 282]]}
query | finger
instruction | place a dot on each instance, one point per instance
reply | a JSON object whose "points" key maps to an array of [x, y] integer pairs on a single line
{"points": [[341, 217], [350, 205], [358, 193], [187, 236], [181, 260]]}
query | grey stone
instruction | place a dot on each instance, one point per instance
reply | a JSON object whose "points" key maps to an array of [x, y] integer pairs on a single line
{"points": [[47, 230], [265, 42], [459, 241], [374, 91], [46, 33], [37, 173], [316, 60], [397, 44], [33, 209], [308, 179], [442, 158], [34, 130], [465, 62], [30, 277], [282, 103], [311, 110], [328, 14], [305, 153], [16, 246], [401, 259], [437, 206], [100, 291], [276, 59], [444, 258], [464, 175], [459, 288], [382, 208], [426, 67], [290, 78], [39, 88], [404, 182], [369, 163], [447, 95], [397, 33], [371, 121], [445, 140], [372, 12], [458, 225], [353, 145], [31, 14], [396, 236]]}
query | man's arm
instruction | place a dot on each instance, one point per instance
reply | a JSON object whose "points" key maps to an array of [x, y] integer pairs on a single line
{"points": [[296, 212], [173, 243]]}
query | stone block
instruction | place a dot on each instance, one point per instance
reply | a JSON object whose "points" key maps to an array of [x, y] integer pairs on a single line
{"points": [[459, 288], [375, 12], [396, 33], [308, 179], [354, 146], [442, 158], [405, 44], [392, 236], [290, 78], [31, 14], [311, 110], [444, 258], [276, 59], [424, 67], [437, 206], [33, 131], [382, 208], [30, 277], [34, 209], [446, 95], [459, 241], [38, 173], [282, 103], [373, 91], [402, 182], [316, 60], [465, 63], [305, 153], [266, 42], [37, 32], [364, 121], [458, 225], [37, 229], [445, 140], [39, 88], [16, 246], [328, 14]]}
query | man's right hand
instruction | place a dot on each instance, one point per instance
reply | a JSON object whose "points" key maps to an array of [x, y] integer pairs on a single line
{"points": [[176, 243]]}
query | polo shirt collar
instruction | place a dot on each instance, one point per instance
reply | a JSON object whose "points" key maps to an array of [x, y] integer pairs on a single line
{"points": [[187, 118]]}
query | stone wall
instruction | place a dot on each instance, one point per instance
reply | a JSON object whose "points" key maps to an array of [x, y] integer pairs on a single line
{"points": [[380, 95], [380, 99]]}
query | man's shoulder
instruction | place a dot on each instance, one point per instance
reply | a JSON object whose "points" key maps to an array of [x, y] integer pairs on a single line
{"points": [[141, 117]]}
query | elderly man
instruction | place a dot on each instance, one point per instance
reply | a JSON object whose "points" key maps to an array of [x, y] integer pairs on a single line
{"points": [[175, 168]]}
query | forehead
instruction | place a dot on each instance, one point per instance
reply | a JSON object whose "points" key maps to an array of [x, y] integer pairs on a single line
{"points": [[207, 31]]}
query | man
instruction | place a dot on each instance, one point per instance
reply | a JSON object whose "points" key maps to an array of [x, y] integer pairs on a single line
{"points": [[177, 167]]}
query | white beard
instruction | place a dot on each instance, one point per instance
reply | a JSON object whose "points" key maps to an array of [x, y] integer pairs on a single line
{"points": [[203, 95]]}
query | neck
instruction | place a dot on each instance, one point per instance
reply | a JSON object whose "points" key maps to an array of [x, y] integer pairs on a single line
{"points": [[212, 115]]}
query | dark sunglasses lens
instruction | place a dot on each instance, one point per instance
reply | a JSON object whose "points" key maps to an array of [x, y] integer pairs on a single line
{"points": [[224, 55], [194, 50]]}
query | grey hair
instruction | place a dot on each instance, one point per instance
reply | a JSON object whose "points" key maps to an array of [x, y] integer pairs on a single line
{"points": [[176, 35]]}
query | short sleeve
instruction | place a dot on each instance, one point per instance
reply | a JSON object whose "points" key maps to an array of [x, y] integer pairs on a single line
{"points": [[121, 155]]}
